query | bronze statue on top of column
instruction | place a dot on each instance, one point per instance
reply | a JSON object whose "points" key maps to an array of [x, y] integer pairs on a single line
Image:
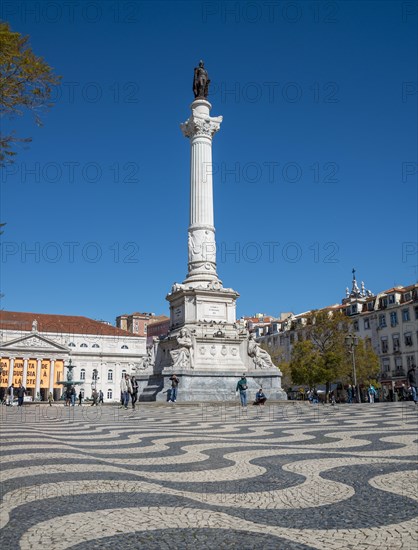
{"points": [[200, 81]]}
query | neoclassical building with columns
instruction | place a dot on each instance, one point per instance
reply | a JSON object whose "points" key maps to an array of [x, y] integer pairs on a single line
{"points": [[34, 347]]}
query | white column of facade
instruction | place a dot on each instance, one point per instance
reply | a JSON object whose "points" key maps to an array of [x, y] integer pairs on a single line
{"points": [[38, 378], [51, 376], [25, 372], [11, 368], [200, 128]]}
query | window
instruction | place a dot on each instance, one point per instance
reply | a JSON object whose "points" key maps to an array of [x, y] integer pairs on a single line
{"points": [[407, 297], [366, 324], [408, 338], [384, 302], [384, 344], [95, 346], [110, 375], [405, 314], [382, 320], [370, 306], [355, 326], [386, 366], [83, 345], [124, 347], [398, 363], [395, 341], [109, 394], [71, 345], [83, 374], [391, 298], [410, 361], [416, 312], [354, 308], [393, 319]]}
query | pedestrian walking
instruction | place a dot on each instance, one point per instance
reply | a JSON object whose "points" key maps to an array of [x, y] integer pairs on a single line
{"points": [[95, 397], [349, 394], [80, 398], [412, 380], [101, 397], [20, 395], [242, 387], [126, 390], [50, 398], [371, 393], [135, 388], [174, 388]]}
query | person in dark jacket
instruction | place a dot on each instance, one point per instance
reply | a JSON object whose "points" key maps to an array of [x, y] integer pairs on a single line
{"points": [[20, 395], [412, 381]]}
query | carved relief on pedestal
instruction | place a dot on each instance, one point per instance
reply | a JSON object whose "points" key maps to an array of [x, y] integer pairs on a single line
{"points": [[213, 351], [201, 246], [234, 351], [202, 350]]}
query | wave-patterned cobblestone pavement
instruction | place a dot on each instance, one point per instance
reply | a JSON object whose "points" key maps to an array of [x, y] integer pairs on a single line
{"points": [[286, 476]]}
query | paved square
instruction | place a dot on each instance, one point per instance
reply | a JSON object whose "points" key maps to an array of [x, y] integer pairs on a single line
{"points": [[289, 476]]}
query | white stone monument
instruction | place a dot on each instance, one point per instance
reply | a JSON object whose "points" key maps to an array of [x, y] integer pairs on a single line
{"points": [[205, 347]]}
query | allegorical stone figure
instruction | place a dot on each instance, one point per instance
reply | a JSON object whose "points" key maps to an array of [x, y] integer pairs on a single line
{"points": [[201, 81], [261, 358], [183, 357]]}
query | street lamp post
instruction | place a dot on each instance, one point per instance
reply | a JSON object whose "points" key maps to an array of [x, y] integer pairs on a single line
{"points": [[351, 342]]}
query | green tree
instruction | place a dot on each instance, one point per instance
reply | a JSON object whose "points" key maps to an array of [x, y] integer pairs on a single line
{"points": [[321, 357], [26, 83], [278, 357], [306, 364]]}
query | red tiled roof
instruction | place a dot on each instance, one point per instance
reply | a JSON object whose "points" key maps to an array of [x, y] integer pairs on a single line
{"points": [[73, 324]]}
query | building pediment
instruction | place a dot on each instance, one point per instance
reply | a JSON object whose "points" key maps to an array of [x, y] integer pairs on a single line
{"points": [[34, 342]]}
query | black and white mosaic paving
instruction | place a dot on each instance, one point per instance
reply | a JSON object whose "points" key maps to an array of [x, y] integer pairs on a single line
{"points": [[286, 476]]}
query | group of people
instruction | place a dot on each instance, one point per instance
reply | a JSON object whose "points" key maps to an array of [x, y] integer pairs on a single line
{"points": [[13, 392], [241, 390], [128, 390]]}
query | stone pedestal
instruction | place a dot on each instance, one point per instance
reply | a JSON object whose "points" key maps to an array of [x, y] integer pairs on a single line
{"points": [[206, 386]]}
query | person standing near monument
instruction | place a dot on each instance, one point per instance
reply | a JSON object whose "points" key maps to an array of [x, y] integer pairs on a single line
{"points": [[134, 384], [242, 389], [174, 385], [50, 398]]}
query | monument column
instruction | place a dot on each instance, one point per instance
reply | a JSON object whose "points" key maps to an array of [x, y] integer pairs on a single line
{"points": [[200, 128]]}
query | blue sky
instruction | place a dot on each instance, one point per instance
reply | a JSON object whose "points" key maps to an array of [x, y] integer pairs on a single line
{"points": [[315, 162]]}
